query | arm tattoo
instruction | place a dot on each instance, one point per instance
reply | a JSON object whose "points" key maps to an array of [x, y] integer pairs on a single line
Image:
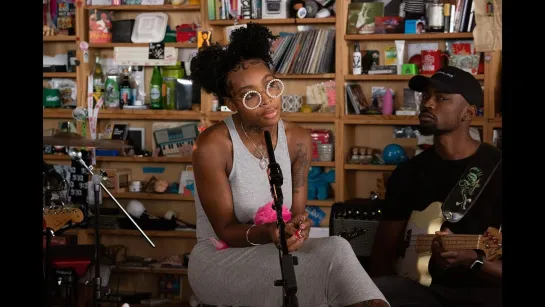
{"points": [[299, 169], [374, 303]]}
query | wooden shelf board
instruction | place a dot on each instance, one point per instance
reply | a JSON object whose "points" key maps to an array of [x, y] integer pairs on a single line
{"points": [[368, 167], [305, 76], [391, 120], [149, 233], [495, 123], [122, 159], [59, 38], [156, 8], [281, 21], [112, 45], [320, 203], [380, 120], [423, 36], [148, 114], [57, 113], [154, 196], [127, 159], [389, 77], [322, 164], [150, 270], [60, 75], [316, 117], [129, 114]]}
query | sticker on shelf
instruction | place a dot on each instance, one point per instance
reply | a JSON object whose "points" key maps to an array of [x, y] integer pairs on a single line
{"points": [[156, 51], [84, 46], [316, 214]]}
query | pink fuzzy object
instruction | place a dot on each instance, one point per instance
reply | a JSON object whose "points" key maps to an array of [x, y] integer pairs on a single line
{"points": [[264, 215]]}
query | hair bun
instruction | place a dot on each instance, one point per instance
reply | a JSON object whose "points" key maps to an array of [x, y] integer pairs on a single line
{"points": [[252, 41], [212, 64]]}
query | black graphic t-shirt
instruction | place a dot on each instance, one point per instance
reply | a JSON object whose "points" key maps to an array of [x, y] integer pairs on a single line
{"points": [[428, 178]]}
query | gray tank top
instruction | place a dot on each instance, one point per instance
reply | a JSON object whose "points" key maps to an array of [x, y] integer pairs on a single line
{"points": [[249, 183]]}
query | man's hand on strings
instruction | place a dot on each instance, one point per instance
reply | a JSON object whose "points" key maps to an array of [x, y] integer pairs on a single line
{"points": [[447, 259]]}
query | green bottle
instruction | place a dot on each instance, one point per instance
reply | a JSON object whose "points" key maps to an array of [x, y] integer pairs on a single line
{"points": [[156, 84]]}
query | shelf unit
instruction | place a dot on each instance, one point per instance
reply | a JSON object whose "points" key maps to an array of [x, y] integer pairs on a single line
{"points": [[349, 130]]}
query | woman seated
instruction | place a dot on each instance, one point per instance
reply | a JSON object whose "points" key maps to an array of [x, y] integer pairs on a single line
{"points": [[231, 184]]}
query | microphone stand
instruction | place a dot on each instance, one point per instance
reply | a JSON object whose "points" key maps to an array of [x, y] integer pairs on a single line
{"points": [[97, 183], [287, 261]]}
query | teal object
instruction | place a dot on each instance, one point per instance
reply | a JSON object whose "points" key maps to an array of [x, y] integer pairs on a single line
{"points": [[318, 183], [394, 154], [191, 187], [153, 170]]}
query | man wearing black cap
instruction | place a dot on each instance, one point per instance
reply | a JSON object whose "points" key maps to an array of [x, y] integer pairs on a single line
{"points": [[450, 99]]}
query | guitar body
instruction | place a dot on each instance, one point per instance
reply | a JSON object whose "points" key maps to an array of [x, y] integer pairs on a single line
{"points": [[419, 237], [414, 263]]}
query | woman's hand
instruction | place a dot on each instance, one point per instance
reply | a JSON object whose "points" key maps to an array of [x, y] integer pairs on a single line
{"points": [[293, 238], [302, 223]]}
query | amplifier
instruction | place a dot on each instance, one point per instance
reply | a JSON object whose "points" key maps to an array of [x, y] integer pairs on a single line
{"points": [[356, 220], [176, 141]]}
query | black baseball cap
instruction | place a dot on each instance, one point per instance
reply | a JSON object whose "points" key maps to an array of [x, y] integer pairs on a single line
{"points": [[451, 80]]}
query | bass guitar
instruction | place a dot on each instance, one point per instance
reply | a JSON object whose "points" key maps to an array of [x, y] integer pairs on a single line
{"points": [[57, 218], [419, 236]]}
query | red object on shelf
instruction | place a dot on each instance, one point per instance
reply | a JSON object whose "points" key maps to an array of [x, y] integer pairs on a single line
{"points": [[185, 32], [79, 265]]}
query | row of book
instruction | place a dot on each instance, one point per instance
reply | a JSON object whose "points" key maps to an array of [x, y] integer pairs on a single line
{"points": [[462, 16], [305, 52]]}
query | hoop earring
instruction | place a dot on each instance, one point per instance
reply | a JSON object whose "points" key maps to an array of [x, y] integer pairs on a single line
{"points": [[244, 100]]}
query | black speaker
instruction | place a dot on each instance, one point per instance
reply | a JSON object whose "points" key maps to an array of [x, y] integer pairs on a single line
{"points": [[356, 220]]}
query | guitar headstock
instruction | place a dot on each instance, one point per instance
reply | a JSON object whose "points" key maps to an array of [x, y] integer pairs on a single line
{"points": [[56, 218], [491, 243]]}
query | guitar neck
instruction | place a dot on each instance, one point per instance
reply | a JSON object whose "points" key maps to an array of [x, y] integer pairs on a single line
{"points": [[450, 242]]}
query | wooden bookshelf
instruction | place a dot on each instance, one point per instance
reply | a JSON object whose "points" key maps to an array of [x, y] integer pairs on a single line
{"points": [[422, 36], [283, 21], [388, 77], [146, 8], [60, 75], [113, 45], [59, 38], [154, 196]]}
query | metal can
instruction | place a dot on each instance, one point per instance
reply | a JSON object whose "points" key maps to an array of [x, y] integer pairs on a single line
{"points": [[435, 16], [111, 91]]}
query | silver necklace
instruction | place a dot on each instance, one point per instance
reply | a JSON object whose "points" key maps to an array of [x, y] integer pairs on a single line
{"points": [[263, 161]]}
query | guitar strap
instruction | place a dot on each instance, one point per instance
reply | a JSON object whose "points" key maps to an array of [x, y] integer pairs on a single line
{"points": [[468, 188]]}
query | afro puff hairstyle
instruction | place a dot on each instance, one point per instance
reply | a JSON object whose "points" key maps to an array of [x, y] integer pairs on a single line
{"points": [[212, 64]]}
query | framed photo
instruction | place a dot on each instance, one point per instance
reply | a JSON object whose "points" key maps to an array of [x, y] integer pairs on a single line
{"points": [[138, 136]]}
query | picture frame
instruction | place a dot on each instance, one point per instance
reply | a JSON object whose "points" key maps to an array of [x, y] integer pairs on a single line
{"points": [[138, 135]]}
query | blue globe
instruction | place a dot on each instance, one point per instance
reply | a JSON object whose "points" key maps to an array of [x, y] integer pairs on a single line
{"points": [[394, 154]]}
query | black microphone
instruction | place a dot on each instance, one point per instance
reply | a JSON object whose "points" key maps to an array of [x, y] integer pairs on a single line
{"points": [[52, 176], [275, 173]]}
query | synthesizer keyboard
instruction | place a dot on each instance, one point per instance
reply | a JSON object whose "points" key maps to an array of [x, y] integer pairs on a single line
{"points": [[176, 141]]}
